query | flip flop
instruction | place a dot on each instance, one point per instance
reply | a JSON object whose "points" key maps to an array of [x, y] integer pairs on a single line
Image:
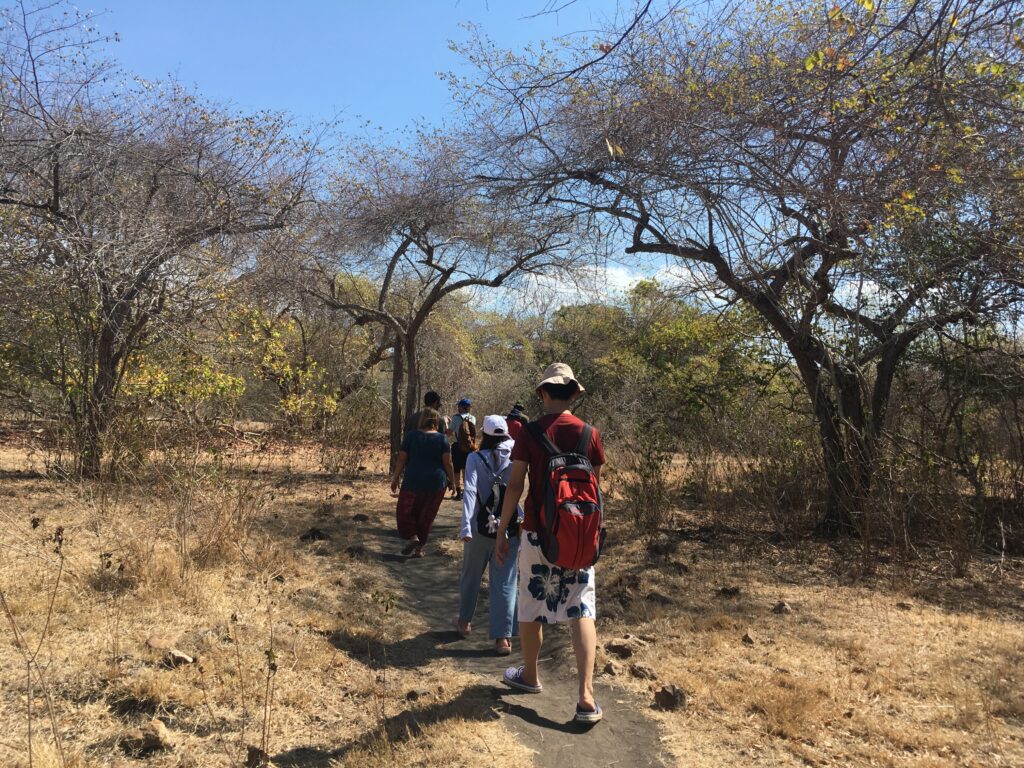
{"points": [[503, 650], [463, 633], [588, 716], [513, 678]]}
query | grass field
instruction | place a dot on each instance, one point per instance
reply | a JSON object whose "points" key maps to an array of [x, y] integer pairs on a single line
{"points": [[905, 667]]}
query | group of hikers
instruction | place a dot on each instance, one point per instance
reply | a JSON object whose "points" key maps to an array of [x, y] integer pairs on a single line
{"points": [[540, 555]]}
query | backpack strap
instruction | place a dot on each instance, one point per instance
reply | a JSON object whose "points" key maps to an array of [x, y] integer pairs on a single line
{"points": [[583, 446], [541, 437]]}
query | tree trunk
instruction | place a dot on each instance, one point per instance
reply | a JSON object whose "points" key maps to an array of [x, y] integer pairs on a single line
{"points": [[99, 406], [397, 376], [411, 374]]}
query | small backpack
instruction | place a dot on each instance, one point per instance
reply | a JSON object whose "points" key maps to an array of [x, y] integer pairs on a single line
{"points": [[466, 437], [488, 513], [571, 518]]}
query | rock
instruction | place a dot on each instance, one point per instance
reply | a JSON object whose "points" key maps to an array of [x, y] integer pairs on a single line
{"points": [[153, 737], [347, 497], [175, 658], [161, 642], [621, 648], [279, 578], [782, 607], [905, 605], [256, 757], [360, 518], [643, 672], [612, 669], [361, 467], [748, 637], [315, 534], [417, 694], [731, 591], [670, 698]]}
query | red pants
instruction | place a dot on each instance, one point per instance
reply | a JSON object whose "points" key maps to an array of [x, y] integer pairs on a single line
{"points": [[416, 512]]}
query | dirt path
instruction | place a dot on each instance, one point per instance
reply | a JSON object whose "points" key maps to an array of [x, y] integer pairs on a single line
{"points": [[626, 736]]}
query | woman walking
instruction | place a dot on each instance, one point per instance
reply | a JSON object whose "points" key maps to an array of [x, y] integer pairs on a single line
{"points": [[487, 474], [425, 458]]}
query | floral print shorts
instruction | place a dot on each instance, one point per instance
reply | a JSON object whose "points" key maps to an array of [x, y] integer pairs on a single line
{"points": [[549, 594]]}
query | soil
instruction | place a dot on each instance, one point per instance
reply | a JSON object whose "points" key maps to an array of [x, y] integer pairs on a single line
{"points": [[542, 722]]}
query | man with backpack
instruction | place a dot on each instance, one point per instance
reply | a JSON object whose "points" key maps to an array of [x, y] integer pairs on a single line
{"points": [[563, 534], [462, 432]]}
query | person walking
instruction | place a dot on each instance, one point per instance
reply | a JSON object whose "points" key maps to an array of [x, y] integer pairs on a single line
{"points": [[455, 431], [424, 468], [430, 400], [548, 594], [516, 419], [487, 473]]}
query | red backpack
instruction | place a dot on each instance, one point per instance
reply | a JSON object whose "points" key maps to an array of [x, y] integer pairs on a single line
{"points": [[571, 519]]}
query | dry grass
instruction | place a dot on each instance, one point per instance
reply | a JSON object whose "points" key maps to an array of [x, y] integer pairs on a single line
{"points": [[911, 669], [848, 678]]}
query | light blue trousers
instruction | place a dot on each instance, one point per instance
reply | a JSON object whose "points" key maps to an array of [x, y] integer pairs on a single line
{"points": [[478, 554]]}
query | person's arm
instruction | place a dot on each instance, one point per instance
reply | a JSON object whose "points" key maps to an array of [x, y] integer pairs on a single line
{"points": [[403, 459], [513, 493], [469, 496], [449, 469]]}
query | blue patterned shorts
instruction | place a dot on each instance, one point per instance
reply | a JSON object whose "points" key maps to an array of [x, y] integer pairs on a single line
{"points": [[549, 594]]}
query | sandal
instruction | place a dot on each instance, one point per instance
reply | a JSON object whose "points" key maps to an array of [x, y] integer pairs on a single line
{"points": [[588, 716], [463, 633], [503, 646], [408, 548], [513, 678], [419, 553]]}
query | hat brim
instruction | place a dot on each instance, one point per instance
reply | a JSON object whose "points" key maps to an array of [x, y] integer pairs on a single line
{"points": [[562, 380]]}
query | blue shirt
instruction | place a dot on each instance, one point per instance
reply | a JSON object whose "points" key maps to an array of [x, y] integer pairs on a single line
{"points": [[424, 473]]}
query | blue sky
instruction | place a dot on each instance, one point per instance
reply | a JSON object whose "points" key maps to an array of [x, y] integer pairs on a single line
{"points": [[375, 61]]}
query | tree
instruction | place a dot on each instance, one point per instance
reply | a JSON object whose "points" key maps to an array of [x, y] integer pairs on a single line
{"points": [[122, 207], [850, 175], [407, 229]]}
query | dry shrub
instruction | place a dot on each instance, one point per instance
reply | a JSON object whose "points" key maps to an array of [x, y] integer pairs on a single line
{"points": [[791, 708], [342, 436], [152, 692]]}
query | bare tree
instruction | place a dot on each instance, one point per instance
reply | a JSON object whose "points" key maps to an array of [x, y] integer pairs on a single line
{"points": [[847, 174], [123, 207], [405, 230]]}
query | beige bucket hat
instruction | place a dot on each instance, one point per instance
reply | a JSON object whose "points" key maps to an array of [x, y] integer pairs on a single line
{"points": [[559, 373]]}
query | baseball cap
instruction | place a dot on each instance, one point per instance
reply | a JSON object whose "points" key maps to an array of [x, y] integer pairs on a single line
{"points": [[495, 426], [466, 402]]}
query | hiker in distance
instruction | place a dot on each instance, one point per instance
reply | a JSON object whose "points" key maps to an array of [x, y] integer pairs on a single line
{"points": [[424, 468], [564, 532], [459, 437], [487, 475], [430, 400]]}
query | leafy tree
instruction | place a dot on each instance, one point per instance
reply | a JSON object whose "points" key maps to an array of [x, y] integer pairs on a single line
{"points": [[852, 176]]}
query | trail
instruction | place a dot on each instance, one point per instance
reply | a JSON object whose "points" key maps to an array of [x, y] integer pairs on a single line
{"points": [[543, 722]]}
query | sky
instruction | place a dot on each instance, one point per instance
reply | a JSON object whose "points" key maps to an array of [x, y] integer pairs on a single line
{"points": [[364, 60], [361, 61]]}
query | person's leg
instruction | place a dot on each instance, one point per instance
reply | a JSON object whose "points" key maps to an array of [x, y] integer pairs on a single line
{"points": [[584, 645], [503, 588], [404, 513], [475, 554], [428, 505], [531, 638]]}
